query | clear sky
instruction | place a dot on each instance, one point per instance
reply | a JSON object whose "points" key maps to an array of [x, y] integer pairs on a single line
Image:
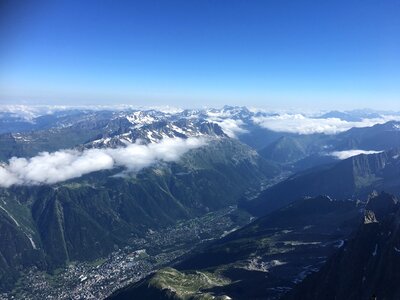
{"points": [[277, 53]]}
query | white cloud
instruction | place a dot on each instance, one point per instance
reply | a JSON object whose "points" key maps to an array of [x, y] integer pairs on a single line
{"points": [[298, 123], [231, 127], [25, 112], [49, 168], [349, 153]]}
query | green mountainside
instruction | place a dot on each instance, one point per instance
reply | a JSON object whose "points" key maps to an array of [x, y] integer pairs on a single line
{"points": [[88, 217], [259, 261]]}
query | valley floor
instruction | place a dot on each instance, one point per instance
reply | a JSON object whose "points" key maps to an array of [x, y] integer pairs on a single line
{"points": [[98, 279]]}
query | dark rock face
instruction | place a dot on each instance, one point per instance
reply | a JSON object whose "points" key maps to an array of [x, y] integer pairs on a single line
{"points": [[368, 264], [382, 205]]}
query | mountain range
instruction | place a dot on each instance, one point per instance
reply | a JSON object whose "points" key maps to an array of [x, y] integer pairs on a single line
{"points": [[77, 185], [356, 176]]}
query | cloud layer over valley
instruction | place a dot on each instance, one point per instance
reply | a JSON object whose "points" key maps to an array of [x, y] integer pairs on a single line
{"points": [[231, 127], [298, 123], [49, 168], [349, 153]]}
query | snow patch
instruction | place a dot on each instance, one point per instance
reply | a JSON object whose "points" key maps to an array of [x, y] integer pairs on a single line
{"points": [[12, 218], [32, 242], [140, 118], [375, 250], [340, 244]]}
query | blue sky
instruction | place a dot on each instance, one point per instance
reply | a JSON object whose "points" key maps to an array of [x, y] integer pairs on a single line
{"points": [[308, 54]]}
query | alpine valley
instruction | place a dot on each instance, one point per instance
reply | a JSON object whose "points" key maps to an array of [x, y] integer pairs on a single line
{"points": [[228, 203]]}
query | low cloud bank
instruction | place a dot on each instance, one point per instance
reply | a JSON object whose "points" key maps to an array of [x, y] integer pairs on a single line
{"points": [[231, 127], [49, 168], [349, 153], [298, 123]]}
